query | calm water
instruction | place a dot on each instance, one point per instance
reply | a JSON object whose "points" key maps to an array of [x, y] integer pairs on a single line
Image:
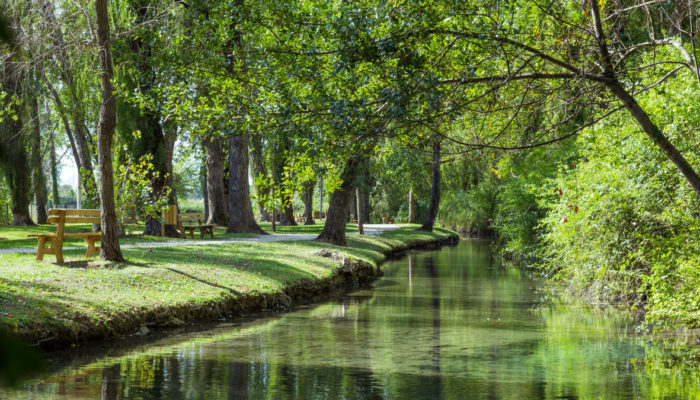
{"points": [[449, 324]]}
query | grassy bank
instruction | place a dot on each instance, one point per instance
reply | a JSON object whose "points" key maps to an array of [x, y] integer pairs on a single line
{"points": [[56, 305]]}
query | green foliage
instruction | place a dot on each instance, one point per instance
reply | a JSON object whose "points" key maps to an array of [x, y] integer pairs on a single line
{"points": [[136, 200], [622, 224]]}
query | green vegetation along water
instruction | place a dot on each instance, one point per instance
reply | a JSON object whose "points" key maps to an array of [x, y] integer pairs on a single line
{"points": [[448, 324]]}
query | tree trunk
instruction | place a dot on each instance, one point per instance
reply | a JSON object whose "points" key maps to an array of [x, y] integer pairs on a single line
{"points": [[411, 207], [635, 109], [365, 206], [18, 180], [241, 218], [358, 201], [109, 249], [353, 208], [216, 195], [55, 199], [320, 197], [334, 229], [170, 138], [434, 190], [205, 191], [288, 213], [309, 203], [259, 171], [39, 179]]}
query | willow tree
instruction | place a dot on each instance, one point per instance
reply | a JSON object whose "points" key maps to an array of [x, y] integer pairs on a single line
{"points": [[109, 248]]}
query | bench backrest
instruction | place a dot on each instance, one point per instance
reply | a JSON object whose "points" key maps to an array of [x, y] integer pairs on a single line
{"points": [[192, 217], [170, 215], [74, 216], [63, 216]]}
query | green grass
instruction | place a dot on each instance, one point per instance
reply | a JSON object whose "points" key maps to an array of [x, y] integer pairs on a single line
{"points": [[16, 236], [42, 299]]}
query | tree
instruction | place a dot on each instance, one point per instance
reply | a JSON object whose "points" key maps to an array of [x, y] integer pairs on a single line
{"points": [[77, 133], [13, 145], [569, 62], [241, 218], [334, 229], [109, 249], [431, 215], [38, 177], [216, 193]]}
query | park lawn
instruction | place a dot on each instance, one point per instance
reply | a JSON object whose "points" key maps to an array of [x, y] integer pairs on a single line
{"points": [[16, 236], [43, 300]]}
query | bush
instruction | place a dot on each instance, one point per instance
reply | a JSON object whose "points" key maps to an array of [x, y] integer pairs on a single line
{"points": [[622, 223]]}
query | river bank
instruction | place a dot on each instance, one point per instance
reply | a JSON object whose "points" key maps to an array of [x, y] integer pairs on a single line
{"points": [[54, 306]]}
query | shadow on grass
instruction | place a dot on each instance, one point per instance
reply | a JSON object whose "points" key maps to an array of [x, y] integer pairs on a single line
{"points": [[261, 261], [206, 282]]}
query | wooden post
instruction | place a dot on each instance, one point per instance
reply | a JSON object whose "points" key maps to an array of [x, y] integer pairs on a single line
{"points": [[358, 201]]}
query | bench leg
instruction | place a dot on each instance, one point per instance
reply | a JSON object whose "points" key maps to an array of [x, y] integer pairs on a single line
{"points": [[91, 248], [192, 233], [40, 248], [58, 250], [201, 233], [211, 232]]}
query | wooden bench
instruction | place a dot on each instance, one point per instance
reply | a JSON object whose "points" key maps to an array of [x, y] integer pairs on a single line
{"points": [[388, 220], [194, 217], [61, 217]]}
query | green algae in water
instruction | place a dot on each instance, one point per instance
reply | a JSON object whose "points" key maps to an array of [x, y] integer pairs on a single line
{"points": [[449, 324]]}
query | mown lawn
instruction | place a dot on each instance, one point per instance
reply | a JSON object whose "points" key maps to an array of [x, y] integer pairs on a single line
{"points": [[40, 298], [16, 236]]}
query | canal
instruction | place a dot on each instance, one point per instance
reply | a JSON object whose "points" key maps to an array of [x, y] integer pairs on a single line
{"points": [[446, 324]]}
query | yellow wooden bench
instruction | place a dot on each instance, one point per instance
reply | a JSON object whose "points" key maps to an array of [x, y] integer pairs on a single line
{"points": [[194, 217], [172, 217], [61, 217]]}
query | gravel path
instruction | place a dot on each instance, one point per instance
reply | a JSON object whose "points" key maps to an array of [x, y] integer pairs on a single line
{"points": [[370, 229]]}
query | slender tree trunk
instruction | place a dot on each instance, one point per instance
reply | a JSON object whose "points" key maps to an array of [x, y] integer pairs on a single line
{"points": [[353, 208], [259, 170], [334, 229], [358, 201], [205, 191], [365, 206], [241, 218], [309, 203], [216, 195], [170, 138], [434, 190], [109, 249], [411, 207], [55, 198], [39, 179], [320, 197]]}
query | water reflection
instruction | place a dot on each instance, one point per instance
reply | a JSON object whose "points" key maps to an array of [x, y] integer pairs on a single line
{"points": [[439, 325]]}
